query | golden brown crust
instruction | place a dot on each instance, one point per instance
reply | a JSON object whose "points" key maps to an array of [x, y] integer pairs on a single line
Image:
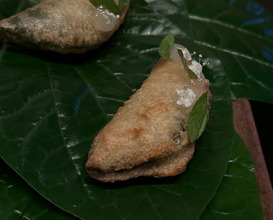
{"points": [[146, 136], [172, 165], [64, 26]]}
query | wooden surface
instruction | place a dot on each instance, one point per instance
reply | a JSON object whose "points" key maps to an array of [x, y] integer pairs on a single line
{"points": [[245, 126]]}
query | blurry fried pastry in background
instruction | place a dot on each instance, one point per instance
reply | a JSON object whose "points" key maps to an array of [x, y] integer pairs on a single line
{"points": [[151, 134], [64, 26]]}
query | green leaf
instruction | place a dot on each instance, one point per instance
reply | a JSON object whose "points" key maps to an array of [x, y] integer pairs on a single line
{"points": [[52, 106], [191, 74], [240, 173], [19, 201], [166, 46], [197, 119], [54, 140]]}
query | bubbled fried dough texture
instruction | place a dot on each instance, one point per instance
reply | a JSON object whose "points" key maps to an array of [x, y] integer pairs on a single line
{"points": [[149, 130], [165, 166], [65, 26]]}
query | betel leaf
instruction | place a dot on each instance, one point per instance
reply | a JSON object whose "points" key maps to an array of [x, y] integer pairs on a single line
{"points": [[166, 46], [191, 74], [49, 147], [20, 201], [197, 118], [240, 173], [51, 107]]}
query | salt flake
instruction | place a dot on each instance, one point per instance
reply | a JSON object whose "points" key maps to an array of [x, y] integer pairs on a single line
{"points": [[186, 96]]}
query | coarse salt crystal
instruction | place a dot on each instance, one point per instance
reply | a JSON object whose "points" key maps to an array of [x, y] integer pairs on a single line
{"points": [[186, 96]]}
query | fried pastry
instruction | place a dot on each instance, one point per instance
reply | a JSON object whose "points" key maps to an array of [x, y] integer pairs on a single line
{"points": [[149, 135], [64, 26]]}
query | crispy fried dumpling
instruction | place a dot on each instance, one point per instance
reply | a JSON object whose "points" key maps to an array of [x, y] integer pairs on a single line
{"points": [[149, 135], [64, 26]]}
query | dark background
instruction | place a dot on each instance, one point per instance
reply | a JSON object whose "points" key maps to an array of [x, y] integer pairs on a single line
{"points": [[263, 115], [267, 4]]}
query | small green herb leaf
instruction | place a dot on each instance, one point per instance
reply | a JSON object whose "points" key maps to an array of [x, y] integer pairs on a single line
{"points": [[166, 46], [198, 118], [110, 5], [191, 74]]}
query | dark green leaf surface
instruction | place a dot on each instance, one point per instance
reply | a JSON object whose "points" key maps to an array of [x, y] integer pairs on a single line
{"points": [[19, 201], [52, 106], [240, 173], [240, 34]]}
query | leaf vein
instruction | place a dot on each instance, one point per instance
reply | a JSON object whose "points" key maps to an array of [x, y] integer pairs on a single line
{"points": [[234, 53], [62, 136], [117, 78], [230, 26], [251, 77], [93, 93], [152, 203]]}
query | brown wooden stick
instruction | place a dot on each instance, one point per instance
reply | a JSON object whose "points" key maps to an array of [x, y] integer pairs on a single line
{"points": [[245, 126]]}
